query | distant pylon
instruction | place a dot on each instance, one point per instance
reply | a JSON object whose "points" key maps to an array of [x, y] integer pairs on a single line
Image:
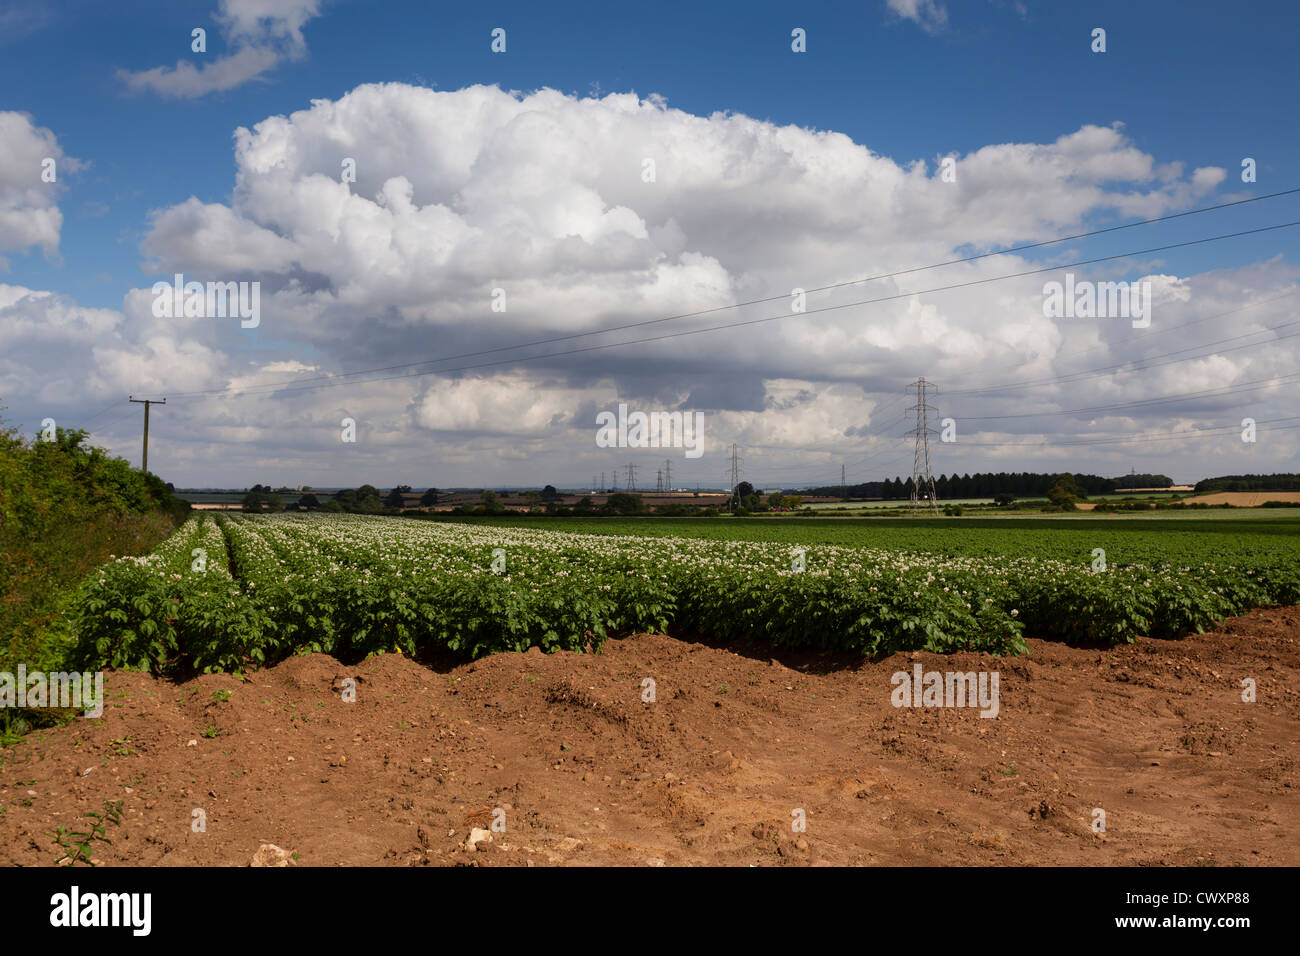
{"points": [[631, 476], [668, 474], [659, 480], [735, 476], [922, 476]]}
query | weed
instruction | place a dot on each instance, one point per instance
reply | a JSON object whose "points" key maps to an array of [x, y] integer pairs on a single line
{"points": [[78, 845]]}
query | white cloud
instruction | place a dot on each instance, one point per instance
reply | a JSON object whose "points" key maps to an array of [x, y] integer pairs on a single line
{"points": [[212, 237], [542, 195], [29, 212], [261, 34], [929, 15]]}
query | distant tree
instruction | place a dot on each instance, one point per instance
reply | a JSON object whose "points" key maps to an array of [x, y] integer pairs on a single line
{"points": [[739, 494], [623, 503], [429, 498], [1143, 481], [491, 504], [1283, 481], [549, 493], [534, 501], [394, 499], [309, 501], [1004, 499], [262, 501], [1065, 492]]}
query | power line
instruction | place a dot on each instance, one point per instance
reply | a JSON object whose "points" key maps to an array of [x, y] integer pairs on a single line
{"points": [[333, 381], [111, 420], [852, 464], [1173, 436], [109, 407], [1144, 336], [825, 288], [1257, 384], [1072, 377]]}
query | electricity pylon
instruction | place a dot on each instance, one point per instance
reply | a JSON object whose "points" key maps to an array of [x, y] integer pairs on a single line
{"points": [[735, 476], [922, 476]]}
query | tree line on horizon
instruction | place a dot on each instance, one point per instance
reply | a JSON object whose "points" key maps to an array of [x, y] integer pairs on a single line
{"points": [[1282, 481], [990, 484]]}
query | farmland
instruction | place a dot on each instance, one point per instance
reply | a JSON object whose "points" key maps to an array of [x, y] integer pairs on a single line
{"points": [[224, 594]]}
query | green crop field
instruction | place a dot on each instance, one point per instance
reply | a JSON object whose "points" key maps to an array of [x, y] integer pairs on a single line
{"points": [[1186, 535], [226, 593]]}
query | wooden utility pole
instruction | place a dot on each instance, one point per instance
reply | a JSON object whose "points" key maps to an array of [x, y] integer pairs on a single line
{"points": [[146, 402]]}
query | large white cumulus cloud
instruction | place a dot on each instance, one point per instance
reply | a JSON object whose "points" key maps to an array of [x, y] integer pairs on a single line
{"points": [[546, 195], [550, 198]]}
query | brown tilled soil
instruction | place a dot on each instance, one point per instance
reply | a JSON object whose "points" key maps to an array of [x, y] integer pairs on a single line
{"points": [[583, 771], [1246, 499]]}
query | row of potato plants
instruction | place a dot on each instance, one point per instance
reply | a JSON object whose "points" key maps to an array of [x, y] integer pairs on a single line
{"points": [[353, 585]]}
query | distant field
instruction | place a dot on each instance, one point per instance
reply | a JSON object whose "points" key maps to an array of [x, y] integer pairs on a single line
{"points": [[1194, 536], [1247, 499], [893, 503]]}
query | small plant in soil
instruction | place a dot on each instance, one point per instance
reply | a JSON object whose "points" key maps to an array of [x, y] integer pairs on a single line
{"points": [[78, 845]]}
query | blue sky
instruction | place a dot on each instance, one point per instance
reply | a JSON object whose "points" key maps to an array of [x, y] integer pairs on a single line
{"points": [[1200, 81], [1197, 84]]}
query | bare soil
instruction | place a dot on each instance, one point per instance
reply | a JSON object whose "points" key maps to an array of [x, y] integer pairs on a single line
{"points": [[1245, 499], [563, 751]]}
